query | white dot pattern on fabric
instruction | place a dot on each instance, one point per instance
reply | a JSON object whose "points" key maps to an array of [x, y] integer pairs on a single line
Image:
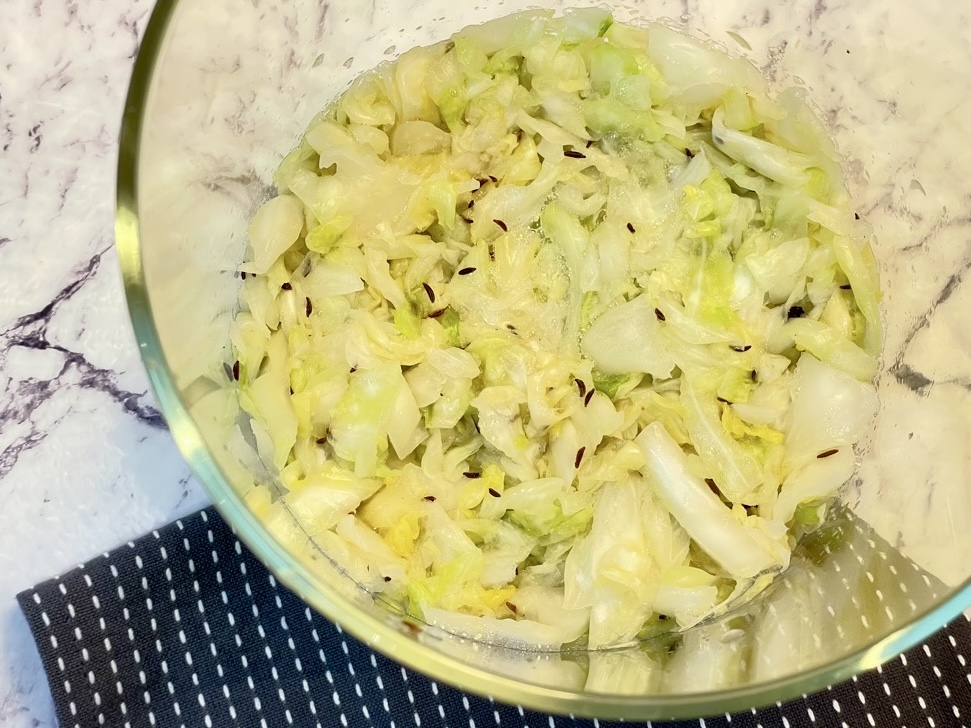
{"points": [[186, 628]]}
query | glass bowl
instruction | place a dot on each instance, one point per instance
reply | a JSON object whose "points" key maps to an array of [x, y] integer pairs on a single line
{"points": [[222, 90]]}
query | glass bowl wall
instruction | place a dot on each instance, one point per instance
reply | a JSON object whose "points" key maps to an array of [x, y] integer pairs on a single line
{"points": [[222, 91]]}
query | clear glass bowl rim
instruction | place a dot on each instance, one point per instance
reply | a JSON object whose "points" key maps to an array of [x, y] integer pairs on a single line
{"points": [[379, 635]]}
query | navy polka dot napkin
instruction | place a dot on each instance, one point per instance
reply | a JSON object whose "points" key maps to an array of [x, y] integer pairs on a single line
{"points": [[186, 628]]}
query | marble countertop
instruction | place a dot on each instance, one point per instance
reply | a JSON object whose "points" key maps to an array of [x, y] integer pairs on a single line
{"points": [[85, 460]]}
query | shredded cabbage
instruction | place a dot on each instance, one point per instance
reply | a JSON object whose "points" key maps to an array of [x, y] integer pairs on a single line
{"points": [[560, 331]]}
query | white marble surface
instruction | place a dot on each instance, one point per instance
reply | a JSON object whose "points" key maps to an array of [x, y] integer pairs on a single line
{"points": [[85, 462]]}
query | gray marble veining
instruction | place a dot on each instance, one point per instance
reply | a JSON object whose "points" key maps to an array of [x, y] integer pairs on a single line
{"points": [[85, 461]]}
